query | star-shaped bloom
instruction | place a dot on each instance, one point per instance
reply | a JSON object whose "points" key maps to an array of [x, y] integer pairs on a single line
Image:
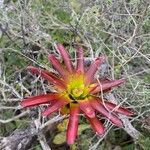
{"points": [[77, 92]]}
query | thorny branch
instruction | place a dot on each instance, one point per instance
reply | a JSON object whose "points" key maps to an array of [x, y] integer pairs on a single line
{"points": [[21, 139]]}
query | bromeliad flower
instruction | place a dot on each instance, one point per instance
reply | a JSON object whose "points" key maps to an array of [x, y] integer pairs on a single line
{"points": [[77, 93]]}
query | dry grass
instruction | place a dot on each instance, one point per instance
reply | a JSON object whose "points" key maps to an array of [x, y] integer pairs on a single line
{"points": [[30, 28]]}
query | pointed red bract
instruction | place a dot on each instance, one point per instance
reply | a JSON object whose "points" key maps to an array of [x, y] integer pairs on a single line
{"points": [[37, 100], [56, 64], [46, 75], [95, 85], [65, 56], [121, 110], [86, 107], [103, 81], [80, 60], [107, 85], [57, 80], [100, 108], [72, 128], [59, 103], [97, 125], [92, 69]]}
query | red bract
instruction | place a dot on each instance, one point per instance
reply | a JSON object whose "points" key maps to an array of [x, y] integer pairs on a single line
{"points": [[77, 93]]}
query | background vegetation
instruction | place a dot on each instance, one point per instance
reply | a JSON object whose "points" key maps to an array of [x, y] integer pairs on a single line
{"points": [[118, 29]]}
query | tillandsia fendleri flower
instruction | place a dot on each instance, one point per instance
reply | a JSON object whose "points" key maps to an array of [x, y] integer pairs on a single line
{"points": [[78, 92]]}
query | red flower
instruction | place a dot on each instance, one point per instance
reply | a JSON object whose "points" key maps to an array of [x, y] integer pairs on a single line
{"points": [[77, 93]]}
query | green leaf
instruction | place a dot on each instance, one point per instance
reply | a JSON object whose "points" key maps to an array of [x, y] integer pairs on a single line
{"points": [[62, 15], [59, 138]]}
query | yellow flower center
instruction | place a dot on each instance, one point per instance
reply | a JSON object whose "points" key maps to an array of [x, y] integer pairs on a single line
{"points": [[77, 92], [76, 88]]}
